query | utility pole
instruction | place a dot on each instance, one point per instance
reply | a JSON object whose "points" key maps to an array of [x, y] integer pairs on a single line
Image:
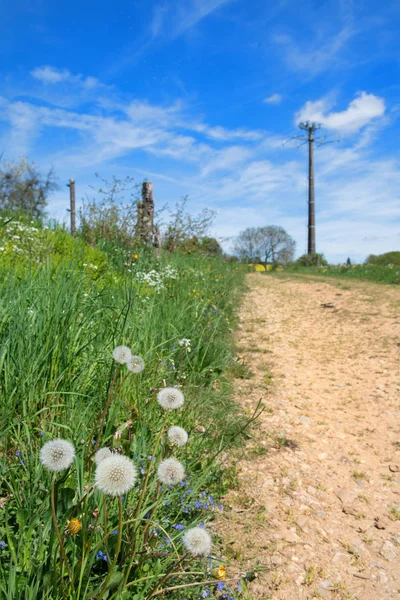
{"points": [[72, 209], [310, 128]]}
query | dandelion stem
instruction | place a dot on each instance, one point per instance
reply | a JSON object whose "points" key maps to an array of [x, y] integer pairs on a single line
{"points": [[139, 506], [117, 550], [153, 510], [63, 556], [188, 585]]}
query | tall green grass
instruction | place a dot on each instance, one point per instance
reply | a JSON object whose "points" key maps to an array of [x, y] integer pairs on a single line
{"points": [[58, 328]]}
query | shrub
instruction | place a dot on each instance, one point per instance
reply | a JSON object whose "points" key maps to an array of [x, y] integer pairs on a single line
{"points": [[312, 260]]}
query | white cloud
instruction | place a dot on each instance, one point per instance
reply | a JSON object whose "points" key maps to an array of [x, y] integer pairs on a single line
{"points": [[52, 76], [274, 99], [361, 111]]}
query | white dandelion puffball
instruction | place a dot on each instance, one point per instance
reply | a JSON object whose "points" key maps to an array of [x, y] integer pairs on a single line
{"points": [[101, 455], [122, 354], [197, 541], [170, 398], [135, 364], [57, 455], [170, 471], [115, 475], [177, 436]]}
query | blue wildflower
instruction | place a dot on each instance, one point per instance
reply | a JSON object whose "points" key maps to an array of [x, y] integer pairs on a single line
{"points": [[114, 532], [205, 593], [198, 505], [2, 545], [220, 586], [99, 555], [178, 527], [18, 453]]}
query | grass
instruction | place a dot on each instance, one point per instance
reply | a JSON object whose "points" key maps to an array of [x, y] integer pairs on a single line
{"points": [[59, 322], [377, 273]]}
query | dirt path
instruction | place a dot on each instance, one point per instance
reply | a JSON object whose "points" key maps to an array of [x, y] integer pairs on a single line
{"points": [[318, 498]]}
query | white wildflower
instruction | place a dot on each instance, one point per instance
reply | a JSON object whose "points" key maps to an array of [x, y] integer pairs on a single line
{"points": [[115, 475], [177, 435], [101, 454], [170, 471], [170, 398], [57, 455], [184, 343], [197, 541], [135, 364], [122, 354]]}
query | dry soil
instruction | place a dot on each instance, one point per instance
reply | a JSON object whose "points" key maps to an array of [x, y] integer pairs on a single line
{"points": [[317, 505]]}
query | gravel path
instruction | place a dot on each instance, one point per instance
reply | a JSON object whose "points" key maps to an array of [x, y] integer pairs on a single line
{"points": [[318, 498]]}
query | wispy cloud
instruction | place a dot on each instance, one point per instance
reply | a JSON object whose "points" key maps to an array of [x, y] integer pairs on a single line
{"points": [[273, 99], [361, 111], [51, 75], [173, 19], [313, 57]]}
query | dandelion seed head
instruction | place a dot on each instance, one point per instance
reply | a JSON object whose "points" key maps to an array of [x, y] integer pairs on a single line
{"points": [[115, 475], [57, 455], [170, 398], [177, 435], [101, 455], [135, 364], [197, 541], [170, 471], [122, 354]]}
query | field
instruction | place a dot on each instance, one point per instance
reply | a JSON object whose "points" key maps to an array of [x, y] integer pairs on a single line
{"points": [[378, 273], [64, 309]]}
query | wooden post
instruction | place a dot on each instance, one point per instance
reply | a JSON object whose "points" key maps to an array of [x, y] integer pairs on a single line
{"points": [[145, 216], [72, 205]]}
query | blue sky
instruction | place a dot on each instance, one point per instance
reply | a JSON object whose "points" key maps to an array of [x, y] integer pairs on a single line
{"points": [[198, 96]]}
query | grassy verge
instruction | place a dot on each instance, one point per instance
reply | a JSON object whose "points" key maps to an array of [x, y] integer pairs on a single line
{"points": [[60, 320], [376, 273]]}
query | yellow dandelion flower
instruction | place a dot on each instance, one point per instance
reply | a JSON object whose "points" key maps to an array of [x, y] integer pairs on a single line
{"points": [[73, 527], [220, 573], [135, 256]]}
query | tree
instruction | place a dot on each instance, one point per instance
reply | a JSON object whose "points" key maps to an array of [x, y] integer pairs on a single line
{"points": [[111, 218], [271, 244], [184, 226], [23, 188]]}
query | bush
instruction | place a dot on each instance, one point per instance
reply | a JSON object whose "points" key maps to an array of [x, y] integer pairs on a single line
{"points": [[389, 258], [312, 260]]}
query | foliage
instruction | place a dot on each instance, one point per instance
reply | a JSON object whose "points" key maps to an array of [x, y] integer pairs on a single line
{"points": [[271, 244], [58, 330], [110, 223], [312, 260], [26, 242], [23, 188], [389, 258], [183, 226]]}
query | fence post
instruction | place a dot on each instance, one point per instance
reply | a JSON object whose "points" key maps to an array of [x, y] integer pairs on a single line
{"points": [[145, 216], [72, 205]]}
